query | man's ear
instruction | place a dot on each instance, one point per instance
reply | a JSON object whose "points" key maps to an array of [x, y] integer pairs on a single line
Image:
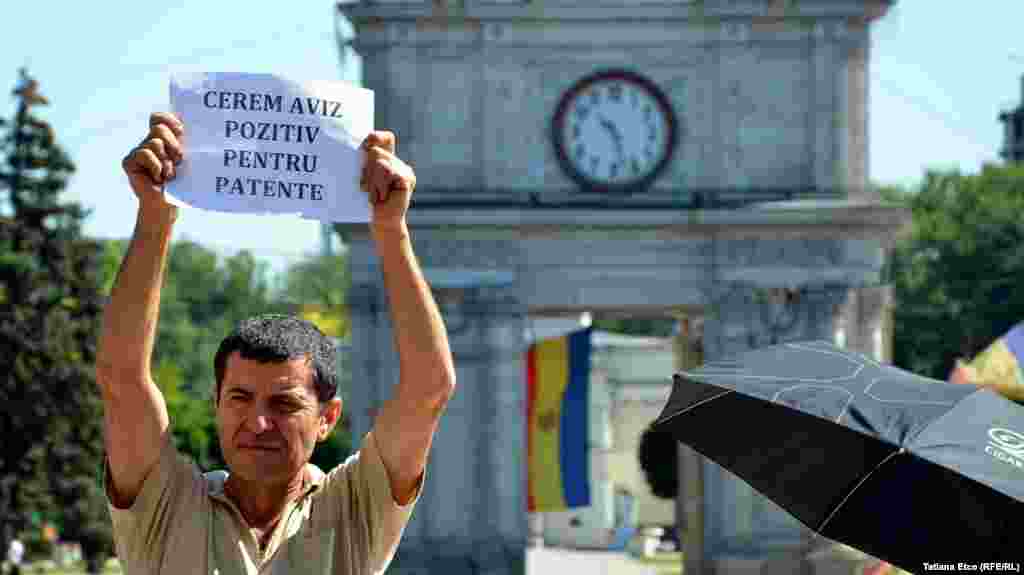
{"points": [[330, 415]]}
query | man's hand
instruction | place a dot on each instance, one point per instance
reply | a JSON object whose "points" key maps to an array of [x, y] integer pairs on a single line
{"points": [[151, 164], [388, 180]]}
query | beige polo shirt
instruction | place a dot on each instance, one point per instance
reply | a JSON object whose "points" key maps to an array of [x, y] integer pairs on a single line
{"points": [[345, 523]]}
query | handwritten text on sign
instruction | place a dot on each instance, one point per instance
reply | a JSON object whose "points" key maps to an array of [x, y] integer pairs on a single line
{"points": [[260, 144]]}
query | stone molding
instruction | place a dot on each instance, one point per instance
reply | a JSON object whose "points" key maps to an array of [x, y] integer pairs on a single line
{"points": [[597, 10], [745, 316]]}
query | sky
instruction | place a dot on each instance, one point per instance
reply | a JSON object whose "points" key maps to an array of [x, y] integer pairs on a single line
{"points": [[939, 76]]}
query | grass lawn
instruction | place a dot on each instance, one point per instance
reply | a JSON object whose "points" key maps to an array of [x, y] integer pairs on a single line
{"points": [[113, 567], [666, 563]]}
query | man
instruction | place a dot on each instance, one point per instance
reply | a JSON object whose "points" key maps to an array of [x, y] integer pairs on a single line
{"points": [[275, 398]]}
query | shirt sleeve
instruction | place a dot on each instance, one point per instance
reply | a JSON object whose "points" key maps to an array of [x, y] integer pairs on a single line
{"points": [[170, 494], [372, 523]]}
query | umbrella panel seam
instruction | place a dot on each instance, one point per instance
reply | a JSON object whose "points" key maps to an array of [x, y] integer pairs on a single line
{"points": [[695, 405], [911, 443], [821, 528]]}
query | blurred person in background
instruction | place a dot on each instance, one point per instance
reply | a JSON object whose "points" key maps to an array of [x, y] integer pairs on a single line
{"points": [[15, 554]]}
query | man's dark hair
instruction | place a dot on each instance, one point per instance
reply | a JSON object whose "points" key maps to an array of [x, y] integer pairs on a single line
{"points": [[275, 338]]}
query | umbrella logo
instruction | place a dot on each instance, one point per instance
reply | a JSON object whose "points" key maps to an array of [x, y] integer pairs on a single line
{"points": [[1006, 445]]}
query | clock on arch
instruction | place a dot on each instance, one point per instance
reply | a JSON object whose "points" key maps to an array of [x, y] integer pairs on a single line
{"points": [[614, 130]]}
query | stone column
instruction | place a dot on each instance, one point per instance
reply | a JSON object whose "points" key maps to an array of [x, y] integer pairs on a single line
{"points": [[745, 316], [690, 499], [501, 528], [361, 399], [471, 518], [372, 356], [872, 322], [854, 42], [825, 114]]}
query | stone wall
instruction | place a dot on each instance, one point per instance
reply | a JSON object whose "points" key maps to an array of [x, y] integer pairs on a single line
{"points": [[767, 94], [759, 101]]}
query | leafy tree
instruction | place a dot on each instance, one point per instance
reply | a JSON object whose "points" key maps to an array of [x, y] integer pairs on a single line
{"points": [[314, 288], [204, 295], [640, 326], [49, 320], [659, 459], [333, 450], [205, 298], [957, 276], [893, 194]]}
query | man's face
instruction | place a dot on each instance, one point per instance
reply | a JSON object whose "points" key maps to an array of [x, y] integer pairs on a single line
{"points": [[269, 419]]}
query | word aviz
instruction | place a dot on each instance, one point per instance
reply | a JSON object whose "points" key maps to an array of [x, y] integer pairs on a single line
{"points": [[993, 567], [270, 188]]}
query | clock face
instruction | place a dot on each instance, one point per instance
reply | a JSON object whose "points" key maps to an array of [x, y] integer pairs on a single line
{"points": [[614, 130]]}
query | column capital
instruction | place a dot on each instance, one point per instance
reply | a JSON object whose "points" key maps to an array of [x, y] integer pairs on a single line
{"points": [[745, 316]]}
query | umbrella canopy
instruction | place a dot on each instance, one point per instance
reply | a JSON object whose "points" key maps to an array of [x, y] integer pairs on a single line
{"points": [[909, 469], [998, 366]]}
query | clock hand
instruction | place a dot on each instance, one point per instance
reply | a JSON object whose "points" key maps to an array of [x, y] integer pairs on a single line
{"points": [[616, 135]]}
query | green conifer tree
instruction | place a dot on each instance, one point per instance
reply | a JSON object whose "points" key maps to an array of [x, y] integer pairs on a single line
{"points": [[50, 304]]}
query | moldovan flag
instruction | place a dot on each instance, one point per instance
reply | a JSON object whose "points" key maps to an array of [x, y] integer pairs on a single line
{"points": [[998, 366], [558, 382]]}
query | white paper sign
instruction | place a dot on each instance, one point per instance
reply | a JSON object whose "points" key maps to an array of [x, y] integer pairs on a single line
{"points": [[258, 143]]}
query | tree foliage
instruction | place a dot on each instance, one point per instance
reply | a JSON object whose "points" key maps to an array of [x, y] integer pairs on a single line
{"points": [[203, 297], [658, 454], [957, 277], [50, 307], [315, 288], [639, 326]]}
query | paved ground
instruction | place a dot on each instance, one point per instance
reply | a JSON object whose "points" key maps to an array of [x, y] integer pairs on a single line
{"points": [[543, 561], [557, 561]]}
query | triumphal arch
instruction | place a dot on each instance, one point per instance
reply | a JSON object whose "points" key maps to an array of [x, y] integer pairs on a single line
{"points": [[700, 159]]}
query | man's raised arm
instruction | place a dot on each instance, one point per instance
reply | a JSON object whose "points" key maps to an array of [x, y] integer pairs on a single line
{"points": [[405, 428], [134, 410]]}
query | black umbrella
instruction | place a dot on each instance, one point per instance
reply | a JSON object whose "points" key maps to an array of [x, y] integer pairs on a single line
{"points": [[911, 470]]}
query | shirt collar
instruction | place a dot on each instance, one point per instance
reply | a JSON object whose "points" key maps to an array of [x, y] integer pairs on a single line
{"points": [[215, 481]]}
